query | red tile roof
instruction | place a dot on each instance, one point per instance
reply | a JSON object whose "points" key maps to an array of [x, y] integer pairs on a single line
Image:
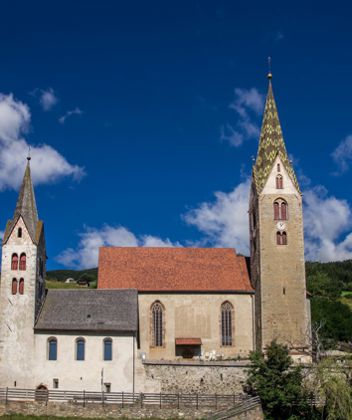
{"points": [[173, 269], [188, 341]]}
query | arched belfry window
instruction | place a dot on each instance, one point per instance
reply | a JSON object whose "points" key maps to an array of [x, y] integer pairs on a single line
{"points": [[23, 261], [19, 232], [14, 286], [226, 324], [280, 209], [281, 238], [14, 262], [279, 182], [21, 287], [157, 321]]}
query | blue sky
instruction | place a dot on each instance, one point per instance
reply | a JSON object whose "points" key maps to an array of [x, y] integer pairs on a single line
{"points": [[139, 112]]}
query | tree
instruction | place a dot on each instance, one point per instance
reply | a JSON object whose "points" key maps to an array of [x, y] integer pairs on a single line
{"points": [[332, 382], [279, 384]]}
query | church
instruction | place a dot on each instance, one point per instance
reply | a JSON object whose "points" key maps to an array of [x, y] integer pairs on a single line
{"points": [[158, 305]]}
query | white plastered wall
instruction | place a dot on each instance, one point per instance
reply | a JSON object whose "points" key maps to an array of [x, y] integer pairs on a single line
{"points": [[88, 374], [270, 185]]}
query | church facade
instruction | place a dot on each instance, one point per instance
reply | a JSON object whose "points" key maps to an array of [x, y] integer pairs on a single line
{"points": [[158, 304]]}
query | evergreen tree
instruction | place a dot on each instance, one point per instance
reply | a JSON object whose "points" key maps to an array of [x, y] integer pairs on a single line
{"points": [[279, 384]]}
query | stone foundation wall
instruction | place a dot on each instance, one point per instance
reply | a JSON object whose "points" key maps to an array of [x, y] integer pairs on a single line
{"points": [[66, 409], [112, 411], [217, 377]]}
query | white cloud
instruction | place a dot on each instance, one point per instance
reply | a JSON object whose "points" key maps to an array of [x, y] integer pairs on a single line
{"points": [[326, 220], [47, 164], [75, 111], [342, 155], [224, 222], [86, 254], [47, 99], [248, 105]]}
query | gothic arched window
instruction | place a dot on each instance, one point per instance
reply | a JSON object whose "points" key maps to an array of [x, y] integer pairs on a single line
{"points": [[280, 210], [80, 348], [276, 210], [226, 324], [278, 167], [157, 313], [23, 261], [107, 349], [52, 348], [281, 238], [21, 287], [14, 286], [279, 182], [14, 262], [19, 232]]}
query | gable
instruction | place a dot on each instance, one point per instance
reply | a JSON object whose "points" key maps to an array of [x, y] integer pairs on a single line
{"points": [[11, 233], [270, 184]]}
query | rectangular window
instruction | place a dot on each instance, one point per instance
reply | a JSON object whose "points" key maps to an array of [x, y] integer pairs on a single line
{"points": [[107, 387], [80, 349], [107, 349], [53, 349], [55, 383]]}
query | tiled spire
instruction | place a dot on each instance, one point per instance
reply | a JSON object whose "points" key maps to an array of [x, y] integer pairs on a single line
{"points": [[26, 207], [271, 144]]}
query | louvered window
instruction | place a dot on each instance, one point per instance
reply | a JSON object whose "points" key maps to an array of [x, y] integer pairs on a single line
{"points": [[14, 286], [23, 261], [281, 238], [21, 287], [14, 262]]}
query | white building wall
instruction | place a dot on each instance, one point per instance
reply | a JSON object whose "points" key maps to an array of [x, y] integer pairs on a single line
{"points": [[88, 374]]}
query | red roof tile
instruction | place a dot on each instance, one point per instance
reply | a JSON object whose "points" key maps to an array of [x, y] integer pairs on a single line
{"points": [[173, 269], [188, 341]]}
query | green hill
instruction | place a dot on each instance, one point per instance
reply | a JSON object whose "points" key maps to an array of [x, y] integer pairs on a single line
{"points": [[331, 287], [62, 275]]}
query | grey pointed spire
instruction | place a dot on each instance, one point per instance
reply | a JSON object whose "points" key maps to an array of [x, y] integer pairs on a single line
{"points": [[26, 207]]}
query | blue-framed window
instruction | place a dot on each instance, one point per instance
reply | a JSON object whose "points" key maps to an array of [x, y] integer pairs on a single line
{"points": [[108, 349], [52, 353], [80, 349]]}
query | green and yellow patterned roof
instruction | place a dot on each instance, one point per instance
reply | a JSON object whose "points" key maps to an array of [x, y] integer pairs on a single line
{"points": [[271, 144]]}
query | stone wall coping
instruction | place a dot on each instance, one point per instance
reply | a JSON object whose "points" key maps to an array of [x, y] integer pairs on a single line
{"points": [[215, 363]]}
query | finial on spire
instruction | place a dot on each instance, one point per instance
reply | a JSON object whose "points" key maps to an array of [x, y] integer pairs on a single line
{"points": [[29, 154], [270, 76]]}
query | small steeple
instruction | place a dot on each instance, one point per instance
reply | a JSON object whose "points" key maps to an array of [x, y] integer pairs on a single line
{"points": [[26, 206], [271, 143]]}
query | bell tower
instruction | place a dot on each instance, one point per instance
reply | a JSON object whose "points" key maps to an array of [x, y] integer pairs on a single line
{"points": [[22, 288], [276, 241]]}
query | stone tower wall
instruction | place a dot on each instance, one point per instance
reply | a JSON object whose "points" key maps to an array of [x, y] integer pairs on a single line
{"points": [[17, 312], [278, 271]]}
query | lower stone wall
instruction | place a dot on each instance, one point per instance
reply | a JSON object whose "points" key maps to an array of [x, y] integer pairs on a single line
{"points": [[65, 409], [204, 378], [112, 411]]}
